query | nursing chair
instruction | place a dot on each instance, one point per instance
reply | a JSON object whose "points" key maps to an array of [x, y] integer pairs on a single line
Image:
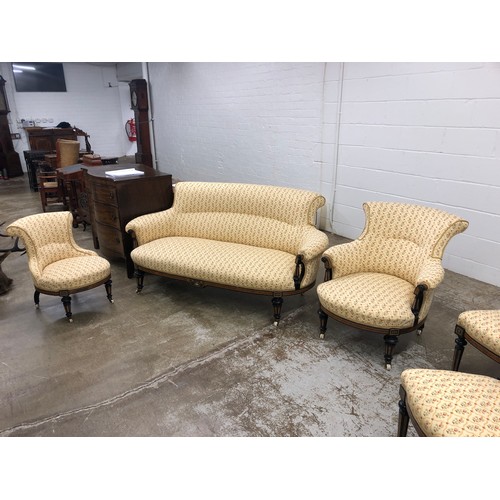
{"points": [[51, 190], [384, 281], [446, 403], [57, 264], [482, 330]]}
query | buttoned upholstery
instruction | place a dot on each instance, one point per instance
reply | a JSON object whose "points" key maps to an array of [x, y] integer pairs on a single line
{"points": [[482, 329], [384, 281], [444, 403], [242, 236], [59, 266]]}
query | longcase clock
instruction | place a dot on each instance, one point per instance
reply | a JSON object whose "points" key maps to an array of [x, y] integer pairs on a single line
{"points": [[10, 164], [139, 103]]}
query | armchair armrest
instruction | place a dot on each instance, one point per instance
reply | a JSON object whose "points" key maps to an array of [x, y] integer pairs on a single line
{"points": [[149, 227], [347, 258], [430, 274]]}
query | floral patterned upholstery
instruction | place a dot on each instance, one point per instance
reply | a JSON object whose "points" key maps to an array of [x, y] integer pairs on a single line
{"points": [[59, 266], [453, 404], [245, 236], [374, 278], [483, 327]]}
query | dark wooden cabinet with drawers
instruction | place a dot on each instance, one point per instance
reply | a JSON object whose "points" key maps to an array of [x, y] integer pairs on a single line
{"points": [[116, 201]]}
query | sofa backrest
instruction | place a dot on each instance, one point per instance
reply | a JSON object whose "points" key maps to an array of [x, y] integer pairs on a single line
{"points": [[293, 206], [402, 235], [265, 216]]}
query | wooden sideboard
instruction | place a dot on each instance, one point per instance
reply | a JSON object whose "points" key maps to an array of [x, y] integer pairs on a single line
{"points": [[41, 138], [114, 202]]}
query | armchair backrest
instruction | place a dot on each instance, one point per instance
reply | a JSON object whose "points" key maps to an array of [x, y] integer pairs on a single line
{"points": [[47, 237], [401, 236], [67, 152]]}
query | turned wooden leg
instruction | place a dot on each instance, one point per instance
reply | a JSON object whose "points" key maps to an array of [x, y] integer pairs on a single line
{"points": [[277, 303], [460, 343], [140, 280], [390, 342], [323, 320], [66, 300], [108, 290], [403, 414], [36, 297]]}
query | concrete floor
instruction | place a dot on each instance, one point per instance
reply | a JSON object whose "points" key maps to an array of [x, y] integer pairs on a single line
{"points": [[182, 361]]}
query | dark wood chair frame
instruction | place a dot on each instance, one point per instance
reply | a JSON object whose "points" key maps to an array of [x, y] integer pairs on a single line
{"points": [[66, 295], [405, 416], [461, 341]]}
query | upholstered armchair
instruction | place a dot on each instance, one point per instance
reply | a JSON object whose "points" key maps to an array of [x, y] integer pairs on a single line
{"points": [[384, 281], [59, 266]]}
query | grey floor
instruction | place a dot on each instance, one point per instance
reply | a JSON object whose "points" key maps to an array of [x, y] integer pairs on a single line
{"points": [[177, 360]]}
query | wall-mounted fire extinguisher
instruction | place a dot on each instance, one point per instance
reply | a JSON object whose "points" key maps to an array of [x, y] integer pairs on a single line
{"points": [[130, 130]]}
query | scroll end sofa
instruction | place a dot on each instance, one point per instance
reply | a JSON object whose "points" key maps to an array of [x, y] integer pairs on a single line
{"points": [[245, 237]]}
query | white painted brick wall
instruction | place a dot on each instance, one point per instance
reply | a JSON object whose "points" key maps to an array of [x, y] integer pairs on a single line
{"points": [[246, 122], [428, 134]]}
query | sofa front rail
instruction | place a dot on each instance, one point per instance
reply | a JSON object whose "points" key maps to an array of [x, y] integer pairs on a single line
{"points": [[277, 296]]}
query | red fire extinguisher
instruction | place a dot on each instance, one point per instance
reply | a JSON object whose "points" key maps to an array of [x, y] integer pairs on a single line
{"points": [[130, 130]]}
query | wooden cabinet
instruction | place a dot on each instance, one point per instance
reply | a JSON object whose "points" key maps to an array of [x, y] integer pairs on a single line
{"points": [[114, 202], [41, 138], [45, 138]]}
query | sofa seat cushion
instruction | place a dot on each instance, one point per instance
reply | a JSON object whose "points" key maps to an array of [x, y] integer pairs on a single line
{"points": [[454, 404], [230, 264], [378, 300], [73, 273]]}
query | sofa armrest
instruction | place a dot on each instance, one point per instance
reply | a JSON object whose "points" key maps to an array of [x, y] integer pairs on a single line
{"points": [[149, 227], [346, 258], [431, 273], [313, 243]]}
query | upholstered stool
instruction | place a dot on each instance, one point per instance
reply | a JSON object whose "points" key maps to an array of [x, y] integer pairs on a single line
{"points": [[482, 330], [444, 403]]}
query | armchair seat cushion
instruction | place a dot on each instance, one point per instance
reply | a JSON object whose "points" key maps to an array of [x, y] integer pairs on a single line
{"points": [[73, 273], [453, 404], [373, 299], [225, 263], [483, 327]]}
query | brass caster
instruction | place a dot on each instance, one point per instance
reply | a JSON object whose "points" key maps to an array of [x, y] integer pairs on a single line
{"points": [[70, 320], [275, 323], [388, 366], [37, 306], [419, 331], [138, 290], [322, 336], [112, 301]]}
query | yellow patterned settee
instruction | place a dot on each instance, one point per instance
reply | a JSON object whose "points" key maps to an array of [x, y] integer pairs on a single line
{"points": [[245, 237]]}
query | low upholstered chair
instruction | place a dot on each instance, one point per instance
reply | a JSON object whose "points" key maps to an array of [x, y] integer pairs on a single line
{"points": [[442, 403], [482, 330], [384, 281], [57, 264]]}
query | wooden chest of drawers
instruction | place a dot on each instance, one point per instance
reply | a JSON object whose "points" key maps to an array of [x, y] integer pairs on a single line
{"points": [[114, 202]]}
